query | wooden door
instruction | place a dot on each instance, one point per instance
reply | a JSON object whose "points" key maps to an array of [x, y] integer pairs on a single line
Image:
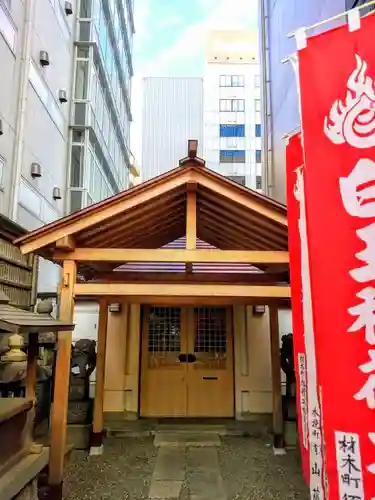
{"points": [[210, 385], [163, 375]]}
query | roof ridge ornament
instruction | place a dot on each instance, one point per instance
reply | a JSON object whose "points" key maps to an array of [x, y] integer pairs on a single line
{"points": [[192, 155]]}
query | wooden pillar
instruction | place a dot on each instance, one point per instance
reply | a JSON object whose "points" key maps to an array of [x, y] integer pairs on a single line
{"points": [[97, 427], [191, 222], [278, 424], [61, 384], [191, 217]]}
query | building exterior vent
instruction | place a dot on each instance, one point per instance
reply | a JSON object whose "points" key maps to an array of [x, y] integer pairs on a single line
{"points": [[35, 170], [68, 8], [56, 194], [44, 58], [63, 96]]}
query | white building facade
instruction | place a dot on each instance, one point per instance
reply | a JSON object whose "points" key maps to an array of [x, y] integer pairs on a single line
{"points": [[172, 114], [232, 107]]}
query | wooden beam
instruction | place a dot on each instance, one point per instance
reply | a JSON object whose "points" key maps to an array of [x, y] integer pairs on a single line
{"points": [[180, 290], [66, 244], [278, 424], [171, 255], [189, 277], [88, 219], [191, 220], [97, 426], [61, 383], [32, 361], [242, 198]]}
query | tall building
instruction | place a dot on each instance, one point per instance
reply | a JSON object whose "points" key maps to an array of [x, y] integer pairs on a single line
{"points": [[66, 70], [172, 114], [36, 40], [232, 117], [100, 162], [280, 111]]}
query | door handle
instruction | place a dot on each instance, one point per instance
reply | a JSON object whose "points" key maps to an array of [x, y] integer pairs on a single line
{"points": [[191, 358], [209, 378]]}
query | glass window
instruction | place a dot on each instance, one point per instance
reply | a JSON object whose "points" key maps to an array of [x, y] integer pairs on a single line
{"points": [[232, 130], [257, 105], [257, 80], [77, 166], [81, 80], [258, 182], [225, 105], [85, 9], [230, 156], [258, 156], [258, 130], [238, 105]]}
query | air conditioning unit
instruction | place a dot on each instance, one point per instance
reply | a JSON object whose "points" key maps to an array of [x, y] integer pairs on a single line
{"points": [[44, 58], [56, 193], [35, 170], [68, 8], [63, 96]]}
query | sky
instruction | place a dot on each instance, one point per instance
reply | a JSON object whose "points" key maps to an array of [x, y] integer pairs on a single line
{"points": [[170, 41]]}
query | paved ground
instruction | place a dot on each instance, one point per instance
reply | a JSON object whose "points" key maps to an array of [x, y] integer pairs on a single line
{"points": [[238, 469]]}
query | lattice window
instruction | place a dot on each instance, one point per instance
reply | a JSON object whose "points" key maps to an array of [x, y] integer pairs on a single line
{"points": [[210, 327], [164, 330]]}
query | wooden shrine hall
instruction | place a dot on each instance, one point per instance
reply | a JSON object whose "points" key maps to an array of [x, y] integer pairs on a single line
{"points": [[190, 270]]}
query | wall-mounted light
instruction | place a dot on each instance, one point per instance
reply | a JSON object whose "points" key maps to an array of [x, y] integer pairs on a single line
{"points": [[56, 193], [259, 310], [68, 8], [44, 58], [63, 96], [114, 308], [35, 170]]}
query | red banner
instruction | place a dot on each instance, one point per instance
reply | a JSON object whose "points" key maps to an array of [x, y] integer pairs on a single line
{"points": [[294, 162], [336, 78]]}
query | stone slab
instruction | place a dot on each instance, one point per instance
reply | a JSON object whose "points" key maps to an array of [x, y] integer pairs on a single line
{"points": [[170, 464], [160, 489], [186, 439], [204, 459]]}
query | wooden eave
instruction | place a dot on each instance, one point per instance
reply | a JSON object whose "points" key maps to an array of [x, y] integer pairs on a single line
{"points": [[150, 215]]}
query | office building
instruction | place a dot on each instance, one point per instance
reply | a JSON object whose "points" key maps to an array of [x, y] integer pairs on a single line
{"points": [[232, 117], [172, 114], [36, 40], [280, 112], [100, 160], [64, 109]]}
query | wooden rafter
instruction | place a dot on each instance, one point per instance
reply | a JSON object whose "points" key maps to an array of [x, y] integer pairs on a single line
{"points": [[231, 215]]}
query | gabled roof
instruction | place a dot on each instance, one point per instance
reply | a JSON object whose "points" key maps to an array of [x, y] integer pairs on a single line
{"points": [[152, 214]]}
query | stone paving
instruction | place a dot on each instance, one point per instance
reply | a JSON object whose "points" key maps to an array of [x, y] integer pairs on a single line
{"points": [[139, 468]]}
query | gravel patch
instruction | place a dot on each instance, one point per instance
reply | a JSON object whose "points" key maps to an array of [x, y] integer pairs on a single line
{"points": [[122, 472], [248, 467], [251, 471]]}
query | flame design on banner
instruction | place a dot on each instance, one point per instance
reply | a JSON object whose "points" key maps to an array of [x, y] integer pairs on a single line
{"points": [[353, 122]]}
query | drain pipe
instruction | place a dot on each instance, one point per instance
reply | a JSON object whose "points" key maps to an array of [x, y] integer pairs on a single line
{"points": [[21, 111], [266, 105]]}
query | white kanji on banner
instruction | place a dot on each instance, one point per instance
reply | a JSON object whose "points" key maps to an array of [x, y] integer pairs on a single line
{"points": [[353, 121]]}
